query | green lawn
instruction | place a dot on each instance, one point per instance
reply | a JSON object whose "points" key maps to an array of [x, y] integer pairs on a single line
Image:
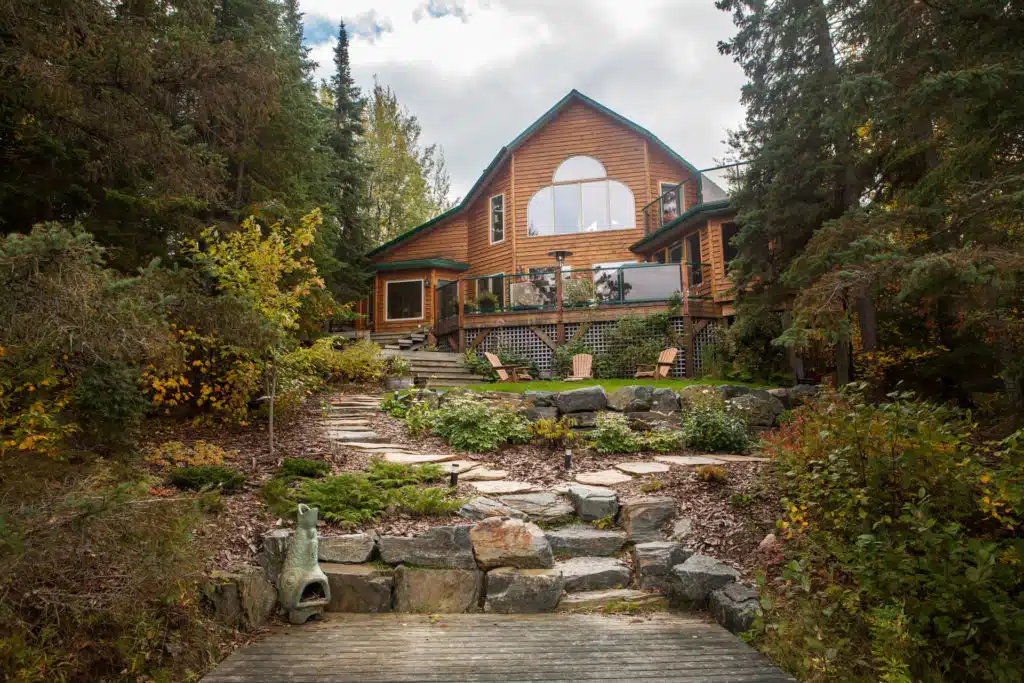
{"points": [[609, 385]]}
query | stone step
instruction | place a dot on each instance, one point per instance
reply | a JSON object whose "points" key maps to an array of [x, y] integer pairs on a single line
{"points": [[353, 437], [582, 540], [504, 487], [429, 355], [612, 601], [370, 446], [431, 383], [420, 458], [594, 573]]}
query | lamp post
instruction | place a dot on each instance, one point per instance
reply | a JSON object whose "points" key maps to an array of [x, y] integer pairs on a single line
{"points": [[559, 255]]}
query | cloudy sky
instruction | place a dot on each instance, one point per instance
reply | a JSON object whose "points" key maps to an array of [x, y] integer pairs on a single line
{"points": [[477, 72]]}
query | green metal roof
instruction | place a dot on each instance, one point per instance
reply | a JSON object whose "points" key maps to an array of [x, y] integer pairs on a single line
{"points": [[446, 264], [519, 140], [700, 210]]}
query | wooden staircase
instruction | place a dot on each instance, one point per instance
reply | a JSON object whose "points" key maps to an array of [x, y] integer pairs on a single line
{"points": [[404, 341], [436, 368]]}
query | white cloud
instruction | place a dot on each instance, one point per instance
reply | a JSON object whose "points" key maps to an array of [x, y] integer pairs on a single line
{"points": [[477, 72]]}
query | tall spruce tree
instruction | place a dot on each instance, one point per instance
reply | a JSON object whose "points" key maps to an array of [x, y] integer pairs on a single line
{"points": [[799, 137], [346, 205]]}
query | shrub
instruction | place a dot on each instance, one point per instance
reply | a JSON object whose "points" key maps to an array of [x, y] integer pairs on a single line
{"points": [[651, 485], [662, 440], [418, 418], [206, 476], [579, 292], [109, 404], [634, 341], [176, 454], [554, 434], [360, 497], [714, 430], [750, 341], [487, 301], [613, 435], [394, 406], [361, 362], [713, 474], [397, 366], [302, 468], [903, 545], [478, 365], [100, 579], [469, 424]]}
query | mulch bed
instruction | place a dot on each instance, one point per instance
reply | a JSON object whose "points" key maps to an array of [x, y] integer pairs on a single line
{"points": [[729, 519]]}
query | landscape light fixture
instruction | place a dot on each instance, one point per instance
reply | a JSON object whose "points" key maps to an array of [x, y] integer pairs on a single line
{"points": [[568, 459], [453, 477]]}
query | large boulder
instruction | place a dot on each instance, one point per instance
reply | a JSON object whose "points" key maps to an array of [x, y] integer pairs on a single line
{"points": [[664, 400], [584, 420], [593, 502], [359, 587], [580, 540], [348, 549], [633, 398], [757, 411], [482, 507], [693, 581], [443, 547], [594, 573], [242, 599], [650, 420], [585, 399], [499, 542], [546, 506], [728, 391], [782, 396], [643, 518], [802, 393], [700, 395], [445, 591], [734, 607], [511, 590], [653, 562], [540, 399], [535, 413]]}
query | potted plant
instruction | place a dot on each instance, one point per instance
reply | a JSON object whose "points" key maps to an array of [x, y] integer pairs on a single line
{"points": [[487, 301], [397, 375]]}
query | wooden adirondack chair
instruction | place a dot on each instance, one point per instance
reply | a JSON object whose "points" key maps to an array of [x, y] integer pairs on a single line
{"points": [[582, 367], [507, 373], [666, 359]]}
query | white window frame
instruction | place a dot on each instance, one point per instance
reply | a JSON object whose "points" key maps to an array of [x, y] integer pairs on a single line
{"points": [[580, 227], [387, 296], [490, 218]]}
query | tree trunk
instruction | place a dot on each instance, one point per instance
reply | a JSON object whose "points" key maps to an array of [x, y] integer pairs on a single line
{"points": [[868, 323], [793, 359], [843, 360]]}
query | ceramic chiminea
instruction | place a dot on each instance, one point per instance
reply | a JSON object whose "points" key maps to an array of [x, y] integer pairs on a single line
{"points": [[304, 591]]}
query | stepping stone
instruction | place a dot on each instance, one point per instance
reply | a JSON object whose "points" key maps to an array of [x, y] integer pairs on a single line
{"points": [[346, 422], [481, 508], [616, 599], [594, 502], [688, 460], [504, 487], [581, 540], [418, 459], [371, 446], [484, 474], [354, 437], [603, 478], [335, 427], [546, 505], [642, 467]]}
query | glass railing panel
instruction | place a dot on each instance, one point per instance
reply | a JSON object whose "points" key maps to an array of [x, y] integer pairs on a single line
{"points": [[532, 291], [650, 282]]}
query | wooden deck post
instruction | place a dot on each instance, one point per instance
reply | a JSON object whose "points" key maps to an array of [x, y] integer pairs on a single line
{"points": [[460, 336], [560, 325]]}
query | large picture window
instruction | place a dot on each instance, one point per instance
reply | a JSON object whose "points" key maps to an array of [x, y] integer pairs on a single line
{"points": [[497, 218], [580, 200], [403, 300]]}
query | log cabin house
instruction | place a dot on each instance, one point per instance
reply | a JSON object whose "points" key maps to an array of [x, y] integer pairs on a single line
{"points": [[582, 219]]}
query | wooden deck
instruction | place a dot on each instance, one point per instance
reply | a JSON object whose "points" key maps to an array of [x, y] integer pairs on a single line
{"points": [[403, 648]]}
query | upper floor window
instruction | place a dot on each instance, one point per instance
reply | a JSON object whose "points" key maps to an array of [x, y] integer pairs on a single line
{"points": [[579, 168], [497, 218], [580, 200]]}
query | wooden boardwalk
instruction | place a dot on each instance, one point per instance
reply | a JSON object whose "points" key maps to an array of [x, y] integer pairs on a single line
{"points": [[403, 648]]}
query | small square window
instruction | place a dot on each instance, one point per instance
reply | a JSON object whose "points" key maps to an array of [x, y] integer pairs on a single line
{"points": [[497, 218]]}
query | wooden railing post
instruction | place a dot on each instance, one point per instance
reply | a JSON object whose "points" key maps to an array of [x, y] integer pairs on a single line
{"points": [[560, 325], [460, 337]]}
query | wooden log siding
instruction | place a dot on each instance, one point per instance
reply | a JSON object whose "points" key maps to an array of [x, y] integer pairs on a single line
{"points": [[580, 130], [486, 258], [446, 240], [664, 169]]}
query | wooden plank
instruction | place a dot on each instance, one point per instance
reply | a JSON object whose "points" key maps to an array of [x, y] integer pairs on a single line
{"points": [[543, 337], [487, 648]]}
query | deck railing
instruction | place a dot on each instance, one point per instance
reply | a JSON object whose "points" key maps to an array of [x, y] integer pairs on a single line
{"points": [[709, 185]]}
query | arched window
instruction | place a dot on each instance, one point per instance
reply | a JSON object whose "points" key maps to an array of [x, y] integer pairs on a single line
{"points": [[579, 168], [589, 206]]}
